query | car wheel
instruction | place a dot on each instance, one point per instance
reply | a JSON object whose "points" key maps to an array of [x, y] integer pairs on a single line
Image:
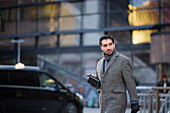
{"points": [[71, 108]]}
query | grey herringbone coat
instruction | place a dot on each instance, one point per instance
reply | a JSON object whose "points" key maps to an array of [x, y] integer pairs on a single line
{"points": [[114, 81]]}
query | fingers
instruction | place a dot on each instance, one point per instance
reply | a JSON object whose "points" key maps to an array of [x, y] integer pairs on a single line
{"points": [[93, 75]]}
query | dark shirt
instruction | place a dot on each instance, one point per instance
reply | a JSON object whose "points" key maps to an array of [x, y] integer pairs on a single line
{"points": [[161, 84]]}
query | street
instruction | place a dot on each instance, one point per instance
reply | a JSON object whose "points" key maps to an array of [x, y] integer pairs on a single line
{"points": [[91, 110], [97, 110]]}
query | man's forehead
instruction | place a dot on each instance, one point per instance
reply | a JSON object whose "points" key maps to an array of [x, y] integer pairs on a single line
{"points": [[106, 41]]}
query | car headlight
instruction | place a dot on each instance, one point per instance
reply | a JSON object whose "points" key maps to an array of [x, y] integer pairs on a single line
{"points": [[80, 96]]}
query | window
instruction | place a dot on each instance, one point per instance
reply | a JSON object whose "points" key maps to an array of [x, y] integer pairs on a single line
{"points": [[24, 78], [4, 77], [46, 81]]}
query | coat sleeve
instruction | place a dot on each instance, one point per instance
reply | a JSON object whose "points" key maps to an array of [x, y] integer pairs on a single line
{"points": [[129, 79], [98, 85]]}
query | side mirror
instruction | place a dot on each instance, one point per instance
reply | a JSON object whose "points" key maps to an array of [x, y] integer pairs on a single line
{"points": [[49, 81], [51, 84]]}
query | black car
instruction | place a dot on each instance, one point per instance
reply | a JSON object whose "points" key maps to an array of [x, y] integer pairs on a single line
{"points": [[31, 90]]}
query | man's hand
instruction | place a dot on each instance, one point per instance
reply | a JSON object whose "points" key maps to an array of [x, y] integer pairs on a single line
{"points": [[93, 81], [135, 107], [93, 75]]}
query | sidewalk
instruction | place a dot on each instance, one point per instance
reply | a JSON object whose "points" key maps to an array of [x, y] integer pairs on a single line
{"points": [[97, 110]]}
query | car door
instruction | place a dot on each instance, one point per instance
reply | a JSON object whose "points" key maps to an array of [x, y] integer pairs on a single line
{"points": [[51, 95], [23, 88], [4, 90]]}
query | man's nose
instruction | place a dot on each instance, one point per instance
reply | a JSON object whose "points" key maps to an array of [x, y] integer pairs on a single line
{"points": [[108, 47]]}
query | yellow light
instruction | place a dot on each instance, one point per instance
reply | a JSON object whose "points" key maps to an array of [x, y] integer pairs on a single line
{"points": [[134, 41], [19, 65], [139, 17]]}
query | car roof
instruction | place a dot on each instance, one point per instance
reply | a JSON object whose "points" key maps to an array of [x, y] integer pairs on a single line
{"points": [[28, 68]]}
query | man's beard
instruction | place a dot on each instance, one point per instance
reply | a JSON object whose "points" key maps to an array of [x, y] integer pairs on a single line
{"points": [[109, 52]]}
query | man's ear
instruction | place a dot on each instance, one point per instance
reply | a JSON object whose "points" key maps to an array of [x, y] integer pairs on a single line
{"points": [[101, 48], [114, 45]]}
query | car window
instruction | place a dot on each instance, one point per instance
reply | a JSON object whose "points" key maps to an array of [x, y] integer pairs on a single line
{"points": [[46, 81], [24, 78], [4, 77]]}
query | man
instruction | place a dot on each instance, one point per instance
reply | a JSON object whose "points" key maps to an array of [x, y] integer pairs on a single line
{"points": [[114, 71]]}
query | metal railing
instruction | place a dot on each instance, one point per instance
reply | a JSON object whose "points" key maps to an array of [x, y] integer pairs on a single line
{"points": [[165, 103], [152, 101]]}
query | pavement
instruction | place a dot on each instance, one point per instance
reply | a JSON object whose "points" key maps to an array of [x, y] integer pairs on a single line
{"points": [[91, 110], [97, 110]]}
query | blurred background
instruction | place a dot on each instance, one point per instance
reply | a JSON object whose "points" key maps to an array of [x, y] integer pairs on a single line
{"points": [[61, 37]]}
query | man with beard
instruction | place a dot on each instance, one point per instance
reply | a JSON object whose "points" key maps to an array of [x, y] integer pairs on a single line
{"points": [[114, 71]]}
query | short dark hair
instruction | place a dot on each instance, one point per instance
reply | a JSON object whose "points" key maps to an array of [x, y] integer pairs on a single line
{"points": [[106, 37]]}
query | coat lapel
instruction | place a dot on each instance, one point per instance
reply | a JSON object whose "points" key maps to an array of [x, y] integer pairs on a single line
{"points": [[102, 71], [111, 61]]}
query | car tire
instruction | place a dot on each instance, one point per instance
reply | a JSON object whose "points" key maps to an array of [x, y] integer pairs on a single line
{"points": [[71, 108]]}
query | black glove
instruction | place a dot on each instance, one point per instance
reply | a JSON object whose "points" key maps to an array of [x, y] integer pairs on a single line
{"points": [[135, 107], [93, 81]]}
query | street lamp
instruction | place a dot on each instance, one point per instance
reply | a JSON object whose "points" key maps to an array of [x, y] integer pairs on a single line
{"points": [[19, 65]]}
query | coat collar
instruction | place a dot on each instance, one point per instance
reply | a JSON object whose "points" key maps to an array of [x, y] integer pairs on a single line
{"points": [[110, 63]]}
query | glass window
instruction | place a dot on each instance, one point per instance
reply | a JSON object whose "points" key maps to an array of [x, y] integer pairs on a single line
{"points": [[8, 14], [46, 81], [8, 28], [47, 41], [90, 61], [91, 39], [28, 42], [71, 62], [121, 36], [23, 78], [141, 58], [6, 43], [28, 12], [69, 40], [70, 8], [70, 23], [91, 6], [8, 21], [31, 26], [8, 2], [26, 1], [46, 25], [116, 11], [118, 19], [91, 21], [166, 15], [126, 53], [50, 10], [4, 80]]}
